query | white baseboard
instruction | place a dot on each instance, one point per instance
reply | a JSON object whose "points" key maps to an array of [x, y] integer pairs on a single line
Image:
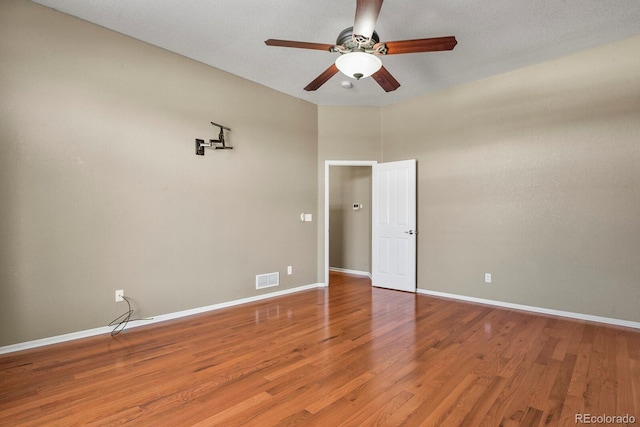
{"points": [[156, 319], [347, 271], [161, 318], [540, 310], [55, 339]]}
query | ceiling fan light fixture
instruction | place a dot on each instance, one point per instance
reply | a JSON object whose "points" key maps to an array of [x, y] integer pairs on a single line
{"points": [[358, 65]]}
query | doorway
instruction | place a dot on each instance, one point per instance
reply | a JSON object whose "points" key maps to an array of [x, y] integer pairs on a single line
{"points": [[344, 226], [393, 218], [350, 219]]}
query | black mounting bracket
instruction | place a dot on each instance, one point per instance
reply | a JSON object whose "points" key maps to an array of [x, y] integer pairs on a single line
{"points": [[201, 144]]}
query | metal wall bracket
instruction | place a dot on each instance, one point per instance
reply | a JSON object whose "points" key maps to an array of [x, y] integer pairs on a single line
{"points": [[201, 144]]}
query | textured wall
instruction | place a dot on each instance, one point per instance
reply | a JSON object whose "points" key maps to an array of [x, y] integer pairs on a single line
{"points": [[344, 133], [533, 176], [101, 190]]}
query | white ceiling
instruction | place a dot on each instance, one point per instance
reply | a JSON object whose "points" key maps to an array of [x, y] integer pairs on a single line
{"points": [[494, 36]]}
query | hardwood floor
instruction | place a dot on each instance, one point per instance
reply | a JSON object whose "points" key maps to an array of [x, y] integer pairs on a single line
{"points": [[346, 355]]}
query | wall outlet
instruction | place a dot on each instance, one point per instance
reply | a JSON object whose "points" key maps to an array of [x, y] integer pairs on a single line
{"points": [[487, 277], [119, 295], [290, 270]]}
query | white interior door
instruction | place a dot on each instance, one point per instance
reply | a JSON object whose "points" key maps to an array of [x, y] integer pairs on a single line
{"points": [[394, 225]]}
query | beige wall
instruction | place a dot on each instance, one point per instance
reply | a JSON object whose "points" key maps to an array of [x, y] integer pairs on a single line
{"points": [[344, 133], [100, 188], [533, 176]]}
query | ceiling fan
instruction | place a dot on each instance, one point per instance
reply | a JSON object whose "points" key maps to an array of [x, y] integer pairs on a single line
{"points": [[360, 47]]}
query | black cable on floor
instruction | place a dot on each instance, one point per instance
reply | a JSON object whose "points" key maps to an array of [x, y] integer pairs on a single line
{"points": [[121, 321]]}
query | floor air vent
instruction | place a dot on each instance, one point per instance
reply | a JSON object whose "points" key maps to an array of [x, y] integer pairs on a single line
{"points": [[267, 280]]}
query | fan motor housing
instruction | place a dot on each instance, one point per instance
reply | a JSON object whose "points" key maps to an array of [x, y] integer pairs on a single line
{"points": [[351, 42]]}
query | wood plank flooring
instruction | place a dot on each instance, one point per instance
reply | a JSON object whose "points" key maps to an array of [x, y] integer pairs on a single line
{"points": [[347, 355]]}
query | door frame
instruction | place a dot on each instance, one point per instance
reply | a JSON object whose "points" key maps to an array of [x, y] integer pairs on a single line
{"points": [[327, 165]]}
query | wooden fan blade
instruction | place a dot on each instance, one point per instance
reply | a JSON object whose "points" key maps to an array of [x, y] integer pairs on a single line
{"points": [[385, 80], [300, 45], [421, 45], [322, 78], [367, 12]]}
